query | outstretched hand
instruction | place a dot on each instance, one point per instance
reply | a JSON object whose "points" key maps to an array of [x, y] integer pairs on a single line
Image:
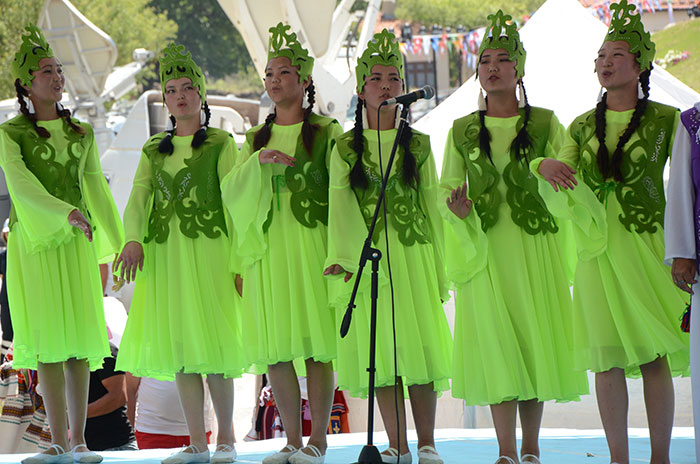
{"points": [[76, 219], [335, 269], [275, 156], [558, 174], [458, 202], [130, 259]]}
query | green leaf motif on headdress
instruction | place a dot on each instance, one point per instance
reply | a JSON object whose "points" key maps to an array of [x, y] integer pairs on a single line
{"points": [[382, 49], [176, 62], [503, 33], [283, 42], [34, 48], [626, 26]]}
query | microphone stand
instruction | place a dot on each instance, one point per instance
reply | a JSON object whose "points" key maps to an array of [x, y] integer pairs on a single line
{"points": [[370, 454]]}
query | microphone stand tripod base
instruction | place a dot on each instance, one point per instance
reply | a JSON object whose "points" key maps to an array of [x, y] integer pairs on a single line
{"points": [[369, 455]]}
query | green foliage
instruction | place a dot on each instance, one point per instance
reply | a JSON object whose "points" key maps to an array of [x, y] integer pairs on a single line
{"points": [[470, 13], [684, 37], [130, 23], [15, 15], [205, 30]]}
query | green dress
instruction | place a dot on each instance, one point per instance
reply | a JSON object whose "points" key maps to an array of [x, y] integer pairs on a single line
{"points": [[280, 242], [626, 307], [508, 261], [423, 339], [185, 311], [55, 290]]}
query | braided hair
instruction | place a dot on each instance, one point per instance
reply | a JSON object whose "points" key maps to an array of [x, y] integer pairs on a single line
{"points": [[166, 144], [308, 130], [63, 113], [409, 169], [611, 166], [521, 144]]}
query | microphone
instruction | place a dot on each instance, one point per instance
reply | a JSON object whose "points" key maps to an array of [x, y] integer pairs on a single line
{"points": [[426, 92]]}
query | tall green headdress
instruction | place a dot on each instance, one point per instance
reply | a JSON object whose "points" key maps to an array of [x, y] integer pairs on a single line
{"points": [[628, 27], [284, 42], [382, 49], [176, 62], [34, 48], [503, 33]]}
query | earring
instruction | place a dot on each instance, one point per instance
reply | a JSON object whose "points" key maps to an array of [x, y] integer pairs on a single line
{"points": [[481, 102], [169, 126], [640, 92], [202, 117], [521, 94], [600, 94], [30, 105], [304, 102], [59, 107], [365, 124]]}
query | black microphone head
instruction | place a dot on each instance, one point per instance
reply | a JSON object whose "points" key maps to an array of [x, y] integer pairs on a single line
{"points": [[428, 92]]}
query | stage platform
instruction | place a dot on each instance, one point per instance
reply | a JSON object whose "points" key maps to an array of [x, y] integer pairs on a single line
{"points": [[457, 446]]}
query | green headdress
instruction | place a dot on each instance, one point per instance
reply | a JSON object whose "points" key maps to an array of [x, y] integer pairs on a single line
{"points": [[34, 48], [628, 27], [176, 62], [503, 33], [283, 42], [382, 49]]}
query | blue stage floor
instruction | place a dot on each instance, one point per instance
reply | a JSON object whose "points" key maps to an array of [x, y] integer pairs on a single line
{"points": [[456, 446]]}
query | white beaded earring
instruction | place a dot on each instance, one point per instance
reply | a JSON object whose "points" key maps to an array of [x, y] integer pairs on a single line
{"points": [[482, 101]]}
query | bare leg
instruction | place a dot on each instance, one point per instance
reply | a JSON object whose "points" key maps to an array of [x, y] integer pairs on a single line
{"points": [[222, 397], [77, 375], [191, 391], [530, 420], [611, 390], [53, 393], [659, 401], [504, 421], [285, 387], [387, 408], [424, 405], [320, 386]]}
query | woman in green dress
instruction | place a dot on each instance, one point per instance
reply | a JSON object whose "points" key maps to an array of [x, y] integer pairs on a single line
{"points": [[278, 195], [184, 320], [63, 222], [626, 306], [507, 259], [414, 228]]}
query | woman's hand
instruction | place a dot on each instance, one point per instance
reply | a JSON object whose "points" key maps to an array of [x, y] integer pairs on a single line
{"points": [[275, 156], [239, 285], [76, 219], [458, 202], [130, 259], [683, 271], [335, 269], [558, 174]]}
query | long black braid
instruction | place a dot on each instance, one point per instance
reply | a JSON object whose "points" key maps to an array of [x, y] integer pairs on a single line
{"points": [[166, 143], [409, 170], [63, 113], [612, 166]]}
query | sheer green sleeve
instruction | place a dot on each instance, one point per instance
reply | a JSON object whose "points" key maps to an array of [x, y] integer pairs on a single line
{"points": [[43, 217], [109, 233], [227, 159], [140, 202], [465, 243]]}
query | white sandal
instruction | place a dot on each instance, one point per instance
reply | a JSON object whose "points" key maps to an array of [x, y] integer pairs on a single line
{"points": [[61, 457], [394, 458]]}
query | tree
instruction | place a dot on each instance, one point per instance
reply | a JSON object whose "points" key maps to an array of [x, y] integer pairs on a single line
{"points": [[205, 30], [130, 23], [470, 13]]}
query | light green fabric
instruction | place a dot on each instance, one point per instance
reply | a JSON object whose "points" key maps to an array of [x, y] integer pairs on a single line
{"points": [[626, 307], [424, 342], [286, 315], [185, 312], [513, 322], [55, 290]]}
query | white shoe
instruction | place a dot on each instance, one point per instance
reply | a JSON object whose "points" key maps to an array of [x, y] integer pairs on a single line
{"points": [[394, 458], [428, 455], [281, 457], [300, 457], [181, 457], [223, 453], [530, 458], [61, 457], [85, 456], [508, 459]]}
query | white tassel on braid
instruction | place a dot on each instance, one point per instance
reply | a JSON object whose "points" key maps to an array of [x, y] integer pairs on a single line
{"points": [[640, 92], [169, 125], [202, 117], [521, 94], [482, 101], [30, 105], [600, 94]]}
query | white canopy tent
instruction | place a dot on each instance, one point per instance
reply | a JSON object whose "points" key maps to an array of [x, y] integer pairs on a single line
{"points": [[562, 40]]}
